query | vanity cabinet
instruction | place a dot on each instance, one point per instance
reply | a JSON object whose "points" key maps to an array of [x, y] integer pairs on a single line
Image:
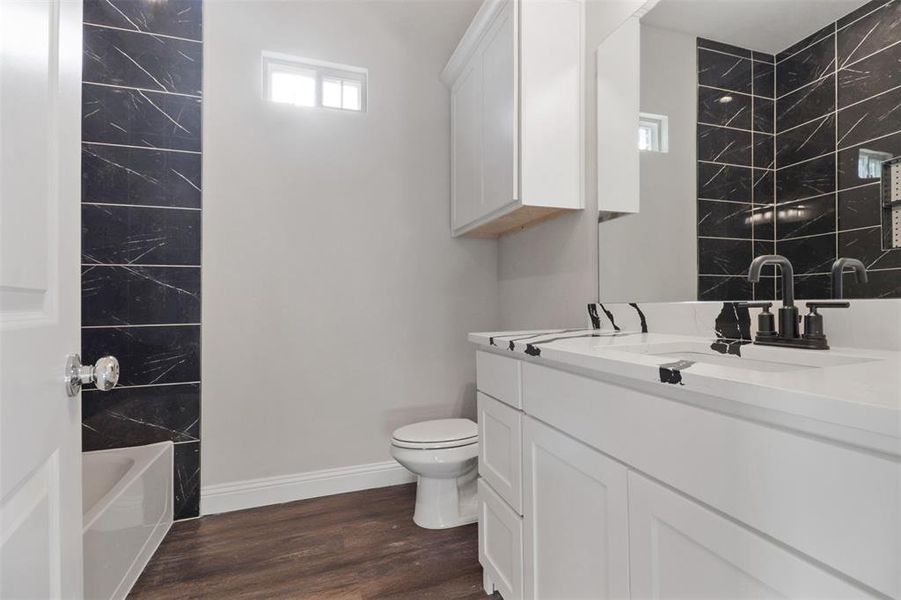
{"points": [[627, 492], [680, 549], [574, 498], [516, 116]]}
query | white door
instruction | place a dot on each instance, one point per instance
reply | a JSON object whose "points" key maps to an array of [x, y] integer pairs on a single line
{"points": [[680, 549], [40, 454], [575, 519]]}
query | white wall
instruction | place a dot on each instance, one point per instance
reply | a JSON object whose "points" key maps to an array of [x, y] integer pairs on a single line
{"points": [[660, 242], [336, 303], [548, 274]]}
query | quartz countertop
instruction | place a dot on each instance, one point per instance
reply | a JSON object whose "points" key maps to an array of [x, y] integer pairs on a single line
{"points": [[858, 402]]}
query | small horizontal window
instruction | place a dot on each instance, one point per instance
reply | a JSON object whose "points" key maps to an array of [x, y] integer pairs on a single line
{"points": [[653, 134], [313, 84]]}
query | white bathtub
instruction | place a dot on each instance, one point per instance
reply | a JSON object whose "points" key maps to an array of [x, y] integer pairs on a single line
{"points": [[127, 495]]}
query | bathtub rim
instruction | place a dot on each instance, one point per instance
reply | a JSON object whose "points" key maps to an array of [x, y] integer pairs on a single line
{"points": [[143, 457]]}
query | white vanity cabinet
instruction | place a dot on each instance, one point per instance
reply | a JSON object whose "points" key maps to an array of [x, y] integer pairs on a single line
{"points": [[627, 493], [680, 549], [500, 473], [516, 116], [574, 497]]}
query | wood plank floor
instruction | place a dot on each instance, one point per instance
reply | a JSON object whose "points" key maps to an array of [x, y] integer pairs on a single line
{"points": [[357, 546]]}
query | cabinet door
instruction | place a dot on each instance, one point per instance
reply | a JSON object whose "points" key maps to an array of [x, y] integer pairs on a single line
{"points": [[680, 549], [500, 544], [498, 116], [575, 519], [466, 110], [500, 449]]}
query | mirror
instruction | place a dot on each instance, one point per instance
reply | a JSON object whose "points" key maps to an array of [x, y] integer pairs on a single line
{"points": [[761, 127]]}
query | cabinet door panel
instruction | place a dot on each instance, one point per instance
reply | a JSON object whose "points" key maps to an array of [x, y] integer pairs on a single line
{"points": [[466, 110], [575, 519], [498, 117], [500, 449], [680, 549], [500, 544]]}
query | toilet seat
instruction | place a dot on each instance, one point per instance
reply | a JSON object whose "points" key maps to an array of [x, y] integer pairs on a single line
{"points": [[437, 434]]}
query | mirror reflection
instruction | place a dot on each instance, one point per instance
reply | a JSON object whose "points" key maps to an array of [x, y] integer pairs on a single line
{"points": [[763, 128]]}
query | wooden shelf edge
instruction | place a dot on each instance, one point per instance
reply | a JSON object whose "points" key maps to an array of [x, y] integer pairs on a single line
{"points": [[517, 219]]}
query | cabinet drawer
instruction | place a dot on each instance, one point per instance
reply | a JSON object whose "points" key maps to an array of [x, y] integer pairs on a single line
{"points": [[500, 449], [500, 544], [680, 549], [499, 377]]}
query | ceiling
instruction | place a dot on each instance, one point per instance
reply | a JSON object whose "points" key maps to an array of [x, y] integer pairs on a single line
{"points": [[764, 25]]}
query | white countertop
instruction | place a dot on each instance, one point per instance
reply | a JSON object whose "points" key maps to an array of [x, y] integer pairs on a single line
{"points": [[864, 396]]}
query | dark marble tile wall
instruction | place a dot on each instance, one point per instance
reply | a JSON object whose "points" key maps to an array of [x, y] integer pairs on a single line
{"points": [[736, 168], [836, 102], [141, 211], [837, 95]]}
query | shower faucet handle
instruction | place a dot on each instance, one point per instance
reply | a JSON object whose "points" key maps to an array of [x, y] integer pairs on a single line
{"points": [[104, 374]]}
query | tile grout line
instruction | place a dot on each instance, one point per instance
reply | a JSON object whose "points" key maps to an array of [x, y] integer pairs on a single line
{"points": [[150, 33], [728, 91], [748, 58], [118, 205], [132, 146], [116, 86], [138, 326], [146, 385], [140, 265]]}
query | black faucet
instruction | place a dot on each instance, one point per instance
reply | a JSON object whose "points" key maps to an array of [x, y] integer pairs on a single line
{"points": [[838, 269], [788, 314], [787, 336]]}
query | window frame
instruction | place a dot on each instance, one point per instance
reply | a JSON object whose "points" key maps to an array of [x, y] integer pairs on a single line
{"points": [[286, 63], [659, 125]]}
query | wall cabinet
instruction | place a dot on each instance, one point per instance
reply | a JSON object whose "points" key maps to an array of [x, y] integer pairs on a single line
{"points": [[516, 116], [625, 494]]}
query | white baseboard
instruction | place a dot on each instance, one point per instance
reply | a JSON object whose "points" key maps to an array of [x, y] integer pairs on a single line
{"points": [[225, 497]]}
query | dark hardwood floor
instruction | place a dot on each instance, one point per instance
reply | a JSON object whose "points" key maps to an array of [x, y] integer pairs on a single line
{"points": [[360, 545]]}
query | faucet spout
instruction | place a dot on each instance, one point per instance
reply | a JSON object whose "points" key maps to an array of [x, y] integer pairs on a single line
{"points": [[788, 275], [838, 269]]}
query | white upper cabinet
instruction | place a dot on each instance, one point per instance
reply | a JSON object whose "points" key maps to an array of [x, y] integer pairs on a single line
{"points": [[516, 116]]}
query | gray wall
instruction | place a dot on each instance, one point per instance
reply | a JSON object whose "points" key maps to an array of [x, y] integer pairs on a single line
{"points": [[337, 304]]}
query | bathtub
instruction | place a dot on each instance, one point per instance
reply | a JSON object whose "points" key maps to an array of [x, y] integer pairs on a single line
{"points": [[127, 495]]}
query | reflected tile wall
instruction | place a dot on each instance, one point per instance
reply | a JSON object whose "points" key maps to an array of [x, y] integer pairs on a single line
{"points": [[833, 100], [141, 195], [736, 162]]}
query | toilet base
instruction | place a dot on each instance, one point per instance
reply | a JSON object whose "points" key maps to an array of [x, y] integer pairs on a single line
{"points": [[446, 503]]}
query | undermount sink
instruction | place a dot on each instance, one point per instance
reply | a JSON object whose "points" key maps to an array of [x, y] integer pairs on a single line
{"points": [[747, 356]]}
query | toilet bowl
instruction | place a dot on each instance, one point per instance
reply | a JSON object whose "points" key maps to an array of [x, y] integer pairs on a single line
{"points": [[443, 454]]}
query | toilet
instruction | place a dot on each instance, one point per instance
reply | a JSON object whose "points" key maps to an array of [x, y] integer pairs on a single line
{"points": [[443, 454]]}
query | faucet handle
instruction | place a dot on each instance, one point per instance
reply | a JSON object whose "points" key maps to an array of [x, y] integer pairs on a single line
{"points": [[766, 322], [813, 322], [766, 306], [813, 306]]}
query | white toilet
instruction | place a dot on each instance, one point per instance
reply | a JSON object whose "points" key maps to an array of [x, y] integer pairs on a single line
{"points": [[443, 454]]}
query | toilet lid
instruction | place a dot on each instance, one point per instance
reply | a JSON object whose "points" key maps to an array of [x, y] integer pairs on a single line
{"points": [[456, 432]]}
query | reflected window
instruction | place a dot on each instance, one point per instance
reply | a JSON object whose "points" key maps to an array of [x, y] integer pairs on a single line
{"points": [[653, 133], [313, 84], [869, 163]]}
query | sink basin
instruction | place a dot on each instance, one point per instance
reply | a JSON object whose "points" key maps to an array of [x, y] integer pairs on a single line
{"points": [[752, 358]]}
